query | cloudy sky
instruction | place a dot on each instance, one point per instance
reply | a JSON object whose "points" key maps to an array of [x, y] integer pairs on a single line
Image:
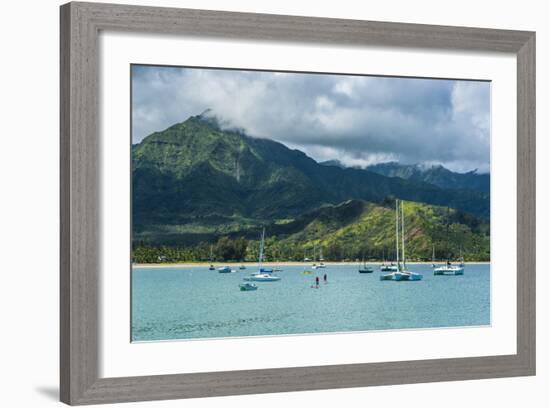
{"points": [[359, 120]]}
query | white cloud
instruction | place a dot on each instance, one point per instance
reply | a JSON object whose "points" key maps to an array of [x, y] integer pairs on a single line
{"points": [[359, 120]]}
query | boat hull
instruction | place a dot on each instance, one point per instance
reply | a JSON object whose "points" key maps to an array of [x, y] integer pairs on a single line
{"points": [[401, 276], [262, 278], [446, 271]]}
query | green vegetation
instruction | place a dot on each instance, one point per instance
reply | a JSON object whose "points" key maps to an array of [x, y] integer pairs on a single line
{"points": [[349, 231], [196, 186], [226, 249]]}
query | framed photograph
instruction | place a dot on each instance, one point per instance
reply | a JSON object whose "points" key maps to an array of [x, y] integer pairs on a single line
{"points": [[261, 203]]}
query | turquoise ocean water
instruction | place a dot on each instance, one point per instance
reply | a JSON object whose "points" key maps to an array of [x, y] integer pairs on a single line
{"points": [[193, 302]]}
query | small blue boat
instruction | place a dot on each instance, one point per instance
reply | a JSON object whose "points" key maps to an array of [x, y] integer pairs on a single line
{"points": [[245, 287]]}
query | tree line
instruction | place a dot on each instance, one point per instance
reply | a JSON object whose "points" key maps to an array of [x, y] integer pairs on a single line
{"points": [[240, 249]]}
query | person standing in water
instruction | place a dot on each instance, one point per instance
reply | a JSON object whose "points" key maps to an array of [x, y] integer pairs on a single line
{"points": [[317, 281], [325, 278]]}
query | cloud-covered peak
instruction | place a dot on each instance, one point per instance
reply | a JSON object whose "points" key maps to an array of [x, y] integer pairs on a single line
{"points": [[358, 120]]}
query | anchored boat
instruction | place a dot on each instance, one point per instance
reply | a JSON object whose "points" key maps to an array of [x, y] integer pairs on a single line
{"points": [[387, 267], [401, 274], [224, 269], [448, 269], [321, 264], [211, 267], [363, 268], [263, 274], [247, 286]]}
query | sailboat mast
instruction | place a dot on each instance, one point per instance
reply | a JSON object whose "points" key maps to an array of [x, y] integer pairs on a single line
{"points": [[261, 249], [397, 233], [447, 235], [403, 234]]}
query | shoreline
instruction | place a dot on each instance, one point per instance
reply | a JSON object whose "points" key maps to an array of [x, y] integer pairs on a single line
{"points": [[273, 264]]}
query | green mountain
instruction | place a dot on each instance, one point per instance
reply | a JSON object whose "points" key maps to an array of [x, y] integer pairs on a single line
{"points": [[351, 230], [436, 175], [357, 229], [196, 181]]}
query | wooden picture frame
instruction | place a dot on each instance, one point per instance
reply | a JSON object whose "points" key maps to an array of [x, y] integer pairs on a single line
{"points": [[80, 191]]}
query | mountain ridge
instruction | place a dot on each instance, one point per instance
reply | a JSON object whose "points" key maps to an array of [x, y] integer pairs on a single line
{"points": [[437, 175], [195, 177]]}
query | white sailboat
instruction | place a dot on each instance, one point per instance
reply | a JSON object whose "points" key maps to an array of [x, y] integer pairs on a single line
{"points": [[387, 267], [402, 274], [263, 275], [448, 269], [321, 264], [306, 271]]}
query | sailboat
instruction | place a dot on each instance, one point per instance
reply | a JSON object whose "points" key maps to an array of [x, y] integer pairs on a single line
{"points": [[363, 268], [211, 267], [402, 274], [387, 267], [263, 274], [448, 268], [321, 259], [306, 260], [321, 264]]}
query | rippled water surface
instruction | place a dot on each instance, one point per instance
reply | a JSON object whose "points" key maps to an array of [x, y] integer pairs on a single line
{"points": [[193, 302]]}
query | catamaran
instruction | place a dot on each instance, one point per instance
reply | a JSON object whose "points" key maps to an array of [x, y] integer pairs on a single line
{"points": [[263, 274], [402, 274]]}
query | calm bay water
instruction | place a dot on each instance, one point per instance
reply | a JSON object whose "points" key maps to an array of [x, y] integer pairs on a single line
{"points": [[193, 302]]}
